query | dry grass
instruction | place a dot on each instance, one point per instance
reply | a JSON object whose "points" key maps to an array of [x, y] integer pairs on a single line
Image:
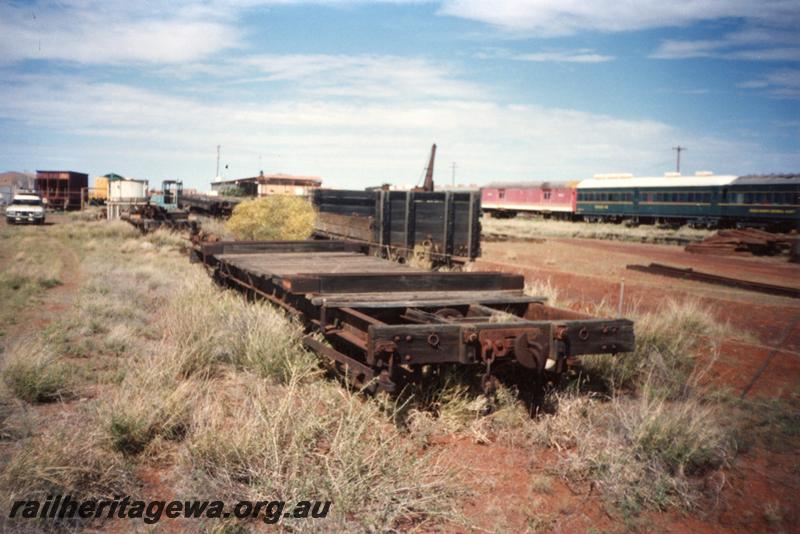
{"points": [[67, 457], [163, 237], [216, 227], [299, 439], [210, 328], [640, 442], [668, 344], [33, 373], [30, 264], [90, 213], [546, 289], [538, 228], [196, 375], [278, 217]]}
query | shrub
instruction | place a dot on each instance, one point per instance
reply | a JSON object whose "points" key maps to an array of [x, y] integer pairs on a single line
{"points": [[278, 217], [667, 342], [212, 328], [149, 404], [35, 374]]}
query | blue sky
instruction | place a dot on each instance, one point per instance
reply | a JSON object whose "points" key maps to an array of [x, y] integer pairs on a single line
{"points": [[356, 92]]}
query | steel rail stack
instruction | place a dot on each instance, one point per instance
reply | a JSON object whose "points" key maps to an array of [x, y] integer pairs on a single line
{"points": [[380, 322]]}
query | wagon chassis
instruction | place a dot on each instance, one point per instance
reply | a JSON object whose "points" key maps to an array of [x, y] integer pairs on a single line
{"points": [[380, 323]]}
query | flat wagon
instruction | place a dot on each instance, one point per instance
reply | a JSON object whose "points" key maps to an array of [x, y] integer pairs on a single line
{"points": [[381, 322]]}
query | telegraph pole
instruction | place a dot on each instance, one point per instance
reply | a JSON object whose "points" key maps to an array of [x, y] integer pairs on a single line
{"points": [[454, 174], [678, 149], [217, 175]]}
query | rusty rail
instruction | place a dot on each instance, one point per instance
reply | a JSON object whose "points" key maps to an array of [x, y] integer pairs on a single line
{"points": [[698, 276]]}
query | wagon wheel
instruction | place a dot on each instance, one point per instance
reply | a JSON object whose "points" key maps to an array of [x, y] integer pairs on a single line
{"points": [[530, 353]]}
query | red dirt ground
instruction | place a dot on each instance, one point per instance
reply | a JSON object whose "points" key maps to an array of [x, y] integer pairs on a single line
{"points": [[759, 493], [502, 496]]}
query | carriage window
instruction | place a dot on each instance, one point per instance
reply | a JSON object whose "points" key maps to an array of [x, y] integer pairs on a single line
{"points": [[706, 197], [547, 195], [501, 193]]}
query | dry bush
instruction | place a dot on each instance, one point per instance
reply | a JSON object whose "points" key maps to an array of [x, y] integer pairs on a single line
{"points": [[15, 420], [216, 227], [637, 451], [83, 231], [210, 328], [278, 217], [34, 374], [249, 440], [421, 257], [69, 457], [453, 404], [150, 403], [546, 289], [90, 213], [667, 344], [167, 238]]}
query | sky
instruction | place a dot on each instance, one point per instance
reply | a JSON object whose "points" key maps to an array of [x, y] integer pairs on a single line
{"points": [[357, 91]]}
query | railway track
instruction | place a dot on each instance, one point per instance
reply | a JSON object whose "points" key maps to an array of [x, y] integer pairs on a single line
{"points": [[380, 322]]}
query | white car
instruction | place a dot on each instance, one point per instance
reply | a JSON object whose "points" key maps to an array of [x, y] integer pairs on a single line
{"points": [[25, 207]]}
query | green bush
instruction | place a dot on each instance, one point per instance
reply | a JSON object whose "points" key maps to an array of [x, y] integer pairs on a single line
{"points": [[278, 217]]}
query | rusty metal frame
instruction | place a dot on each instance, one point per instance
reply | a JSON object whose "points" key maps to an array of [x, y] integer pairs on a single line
{"points": [[480, 319]]}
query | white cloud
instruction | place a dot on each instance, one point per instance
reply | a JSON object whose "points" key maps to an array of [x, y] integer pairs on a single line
{"points": [[579, 56], [753, 44], [783, 84], [364, 76], [583, 55], [150, 134], [95, 32], [565, 17]]}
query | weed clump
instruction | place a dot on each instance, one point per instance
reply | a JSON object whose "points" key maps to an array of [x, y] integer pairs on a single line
{"points": [[278, 217], [314, 439], [35, 374], [67, 458]]}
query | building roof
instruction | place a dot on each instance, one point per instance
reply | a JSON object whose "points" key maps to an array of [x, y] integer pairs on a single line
{"points": [[68, 172], [657, 181], [531, 184], [771, 179], [272, 178]]}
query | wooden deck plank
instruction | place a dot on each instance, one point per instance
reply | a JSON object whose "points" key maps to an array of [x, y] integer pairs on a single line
{"points": [[291, 264]]}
